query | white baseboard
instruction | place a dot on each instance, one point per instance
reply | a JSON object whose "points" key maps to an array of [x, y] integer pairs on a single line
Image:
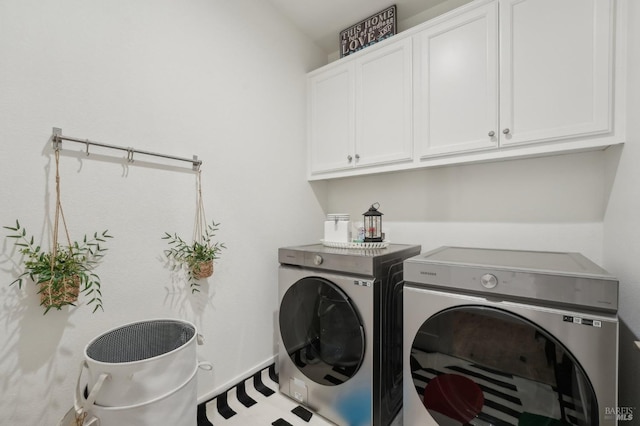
{"points": [[231, 383]]}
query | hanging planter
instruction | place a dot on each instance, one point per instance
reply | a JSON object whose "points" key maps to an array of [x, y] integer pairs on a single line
{"points": [[197, 256], [64, 271], [65, 293], [202, 270]]}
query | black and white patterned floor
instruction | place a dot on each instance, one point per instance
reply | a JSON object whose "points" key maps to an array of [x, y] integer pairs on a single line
{"points": [[256, 401]]}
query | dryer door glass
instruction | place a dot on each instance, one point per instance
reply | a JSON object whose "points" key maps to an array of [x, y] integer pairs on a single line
{"points": [[481, 365], [321, 331]]}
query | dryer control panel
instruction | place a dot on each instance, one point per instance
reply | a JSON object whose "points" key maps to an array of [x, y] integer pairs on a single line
{"points": [[566, 279], [352, 261]]}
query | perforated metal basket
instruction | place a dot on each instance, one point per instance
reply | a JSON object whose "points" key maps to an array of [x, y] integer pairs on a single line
{"points": [[139, 341], [144, 360]]}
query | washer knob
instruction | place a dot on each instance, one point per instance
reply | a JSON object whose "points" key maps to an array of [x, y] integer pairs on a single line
{"points": [[488, 281], [317, 260]]}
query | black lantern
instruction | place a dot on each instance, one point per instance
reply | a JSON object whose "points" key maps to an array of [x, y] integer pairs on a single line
{"points": [[373, 224]]}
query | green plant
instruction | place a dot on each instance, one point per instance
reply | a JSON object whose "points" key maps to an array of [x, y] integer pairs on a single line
{"points": [[194, 254], [61, 273]]}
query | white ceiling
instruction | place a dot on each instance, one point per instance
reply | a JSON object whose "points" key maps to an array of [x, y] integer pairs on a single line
{"points": [[322, 20]]}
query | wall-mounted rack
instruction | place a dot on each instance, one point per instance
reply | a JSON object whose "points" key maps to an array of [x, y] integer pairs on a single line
{"points": [[57, 139]]}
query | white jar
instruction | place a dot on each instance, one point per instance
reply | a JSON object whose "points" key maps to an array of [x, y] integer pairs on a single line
{"points": [[337, 228]]}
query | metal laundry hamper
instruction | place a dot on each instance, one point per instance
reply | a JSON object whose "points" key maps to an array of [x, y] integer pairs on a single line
{"points": [[176, 408], [143, 360]]}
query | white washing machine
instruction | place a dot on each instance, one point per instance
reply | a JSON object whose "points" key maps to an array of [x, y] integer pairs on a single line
{"points": [[340, 342], [504, 337]]}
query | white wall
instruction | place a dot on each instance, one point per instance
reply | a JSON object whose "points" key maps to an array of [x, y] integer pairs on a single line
{"points": [[552, 203], [622, 224], [221, 79]]}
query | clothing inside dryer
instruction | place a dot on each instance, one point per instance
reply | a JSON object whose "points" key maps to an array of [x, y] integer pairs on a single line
{"points": [[321, 331], [476, 364]]}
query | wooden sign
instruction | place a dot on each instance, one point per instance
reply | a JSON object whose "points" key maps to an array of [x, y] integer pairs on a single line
{"points": [[369, 31]]}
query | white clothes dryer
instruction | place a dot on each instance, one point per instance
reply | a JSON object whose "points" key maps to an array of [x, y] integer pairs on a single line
{"points": [[340, 342], [506, 337]]}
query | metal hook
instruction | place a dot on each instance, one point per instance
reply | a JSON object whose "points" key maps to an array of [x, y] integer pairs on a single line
{"points": [[57, 140], [87, 146], [130, 155], [57, 143]]}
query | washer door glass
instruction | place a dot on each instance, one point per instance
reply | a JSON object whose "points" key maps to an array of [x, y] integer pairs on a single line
{"points": [[321, 331], [480, 365]]}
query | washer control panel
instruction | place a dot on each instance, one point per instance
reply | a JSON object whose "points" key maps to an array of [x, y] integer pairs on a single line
{"points": [[489, 281]]}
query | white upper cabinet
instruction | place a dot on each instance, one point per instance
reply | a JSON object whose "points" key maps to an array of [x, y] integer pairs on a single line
{"points": [[384, 95], [556, 64], [490, 80], [331, 119], [457, 83], [360, 110]]}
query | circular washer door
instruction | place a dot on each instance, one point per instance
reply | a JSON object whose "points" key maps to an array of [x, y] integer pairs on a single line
{"points": [[475, 362], [321, 331]]}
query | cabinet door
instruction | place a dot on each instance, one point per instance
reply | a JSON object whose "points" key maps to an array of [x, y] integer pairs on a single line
{"points": [[384, 104], [331, 119], [555, 69], [457, 108]]}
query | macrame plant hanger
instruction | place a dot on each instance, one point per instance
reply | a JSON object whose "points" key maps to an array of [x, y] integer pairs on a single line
{"points": [[200, 220], [202, 270], [70, 287]]}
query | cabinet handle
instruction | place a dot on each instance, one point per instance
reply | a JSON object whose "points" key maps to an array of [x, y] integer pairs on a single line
{"points": [[506, 131], [492, 134], [357, 157], [349, 158]]}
